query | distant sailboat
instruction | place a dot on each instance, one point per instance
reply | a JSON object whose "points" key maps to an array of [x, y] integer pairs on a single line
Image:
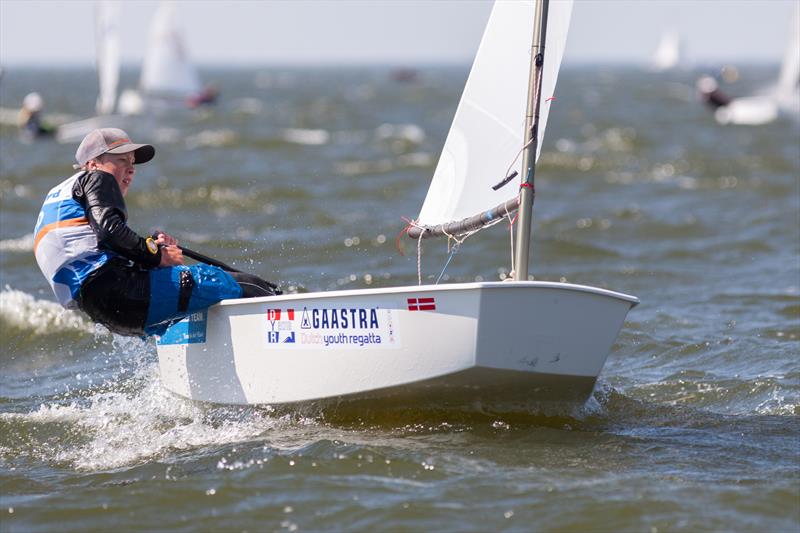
{"points": [[669, 53], [783, 98], [168, 76], [107, 52], [108, 55]]}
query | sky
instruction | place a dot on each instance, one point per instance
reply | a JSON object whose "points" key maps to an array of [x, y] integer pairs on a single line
{"points": [[396, 32]]}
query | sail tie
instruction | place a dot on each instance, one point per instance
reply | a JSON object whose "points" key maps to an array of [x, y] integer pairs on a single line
{"points": [[409, 224], [412, 224]]}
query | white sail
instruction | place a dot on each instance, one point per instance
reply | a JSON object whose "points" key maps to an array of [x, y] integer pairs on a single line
{"points": [[668, 54], [167, 69], [108, 51], [789, 81], [488, 128]]}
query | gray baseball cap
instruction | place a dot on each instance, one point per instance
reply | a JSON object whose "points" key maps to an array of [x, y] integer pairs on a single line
{"points": [[111, 141]]}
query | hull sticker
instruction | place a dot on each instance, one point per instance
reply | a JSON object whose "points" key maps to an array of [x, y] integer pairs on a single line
{"points": [[190, 330], [422, 304], [331, 327]]}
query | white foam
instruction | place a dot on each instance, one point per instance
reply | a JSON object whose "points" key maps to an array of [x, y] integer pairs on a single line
{"points": [[136, 420], [42, 316], [221, 137], [22, 244], [124, 427], [405, 132], [306, 136]]}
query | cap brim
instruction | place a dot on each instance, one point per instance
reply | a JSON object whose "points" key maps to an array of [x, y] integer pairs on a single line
{"points": [[143, 152]]}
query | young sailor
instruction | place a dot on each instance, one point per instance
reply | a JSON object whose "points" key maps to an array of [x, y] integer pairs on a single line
{"points": [[30, 121], [94, 261]]}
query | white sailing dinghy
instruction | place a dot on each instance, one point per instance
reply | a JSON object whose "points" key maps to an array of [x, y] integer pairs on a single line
{"points": [[502, 345], [168, 76], [783, 99], [107, 45]]}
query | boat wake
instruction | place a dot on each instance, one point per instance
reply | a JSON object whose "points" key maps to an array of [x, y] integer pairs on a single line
{"points": [[130, 419]]}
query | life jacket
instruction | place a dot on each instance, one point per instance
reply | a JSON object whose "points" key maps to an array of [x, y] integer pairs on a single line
{"points": [[64, 244]]}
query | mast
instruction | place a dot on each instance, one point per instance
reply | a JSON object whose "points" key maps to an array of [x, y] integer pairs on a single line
{"points": [[525, 217]]}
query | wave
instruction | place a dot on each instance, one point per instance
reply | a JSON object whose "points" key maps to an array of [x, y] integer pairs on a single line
{"points": [[124, 423], [309, 137], [765, 395], [384, 165], [400, 136], [215, 138], [133, 420], [20, 310], [21, 244]]}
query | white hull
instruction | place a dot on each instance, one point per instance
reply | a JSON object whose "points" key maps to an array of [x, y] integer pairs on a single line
{"points": [[514, 343], [748, 111], [74, 132]]}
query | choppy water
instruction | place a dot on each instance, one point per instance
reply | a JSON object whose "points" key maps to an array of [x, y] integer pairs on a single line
{"points": [[303, 176]]}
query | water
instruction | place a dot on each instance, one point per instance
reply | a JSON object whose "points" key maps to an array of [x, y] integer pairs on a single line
{"points": [[303, 176]]}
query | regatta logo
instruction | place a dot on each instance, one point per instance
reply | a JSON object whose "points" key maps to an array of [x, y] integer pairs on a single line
{"points": [[339, 319], [315, 328], [278, 326], [422, 304]]}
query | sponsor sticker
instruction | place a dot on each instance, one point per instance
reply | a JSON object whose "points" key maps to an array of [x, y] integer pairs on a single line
{"points": [[190, 330], [329, 327]]}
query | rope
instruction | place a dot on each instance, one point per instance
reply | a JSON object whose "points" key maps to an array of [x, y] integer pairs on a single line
{"points": [[454, 251], [511, 234], [517, 156], [409, 225], [419, 258], [412, 224]]}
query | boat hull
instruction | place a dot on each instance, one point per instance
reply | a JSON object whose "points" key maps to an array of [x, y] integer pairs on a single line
{"points": [[510, 342]]}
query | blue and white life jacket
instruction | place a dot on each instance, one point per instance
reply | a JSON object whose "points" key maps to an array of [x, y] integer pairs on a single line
{"points": [[65, 245]]}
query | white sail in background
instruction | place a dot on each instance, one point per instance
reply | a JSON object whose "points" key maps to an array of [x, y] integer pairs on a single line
{"points": [[108, 51], [788, 89], [488, 128], [668, 54], [167, 69]]}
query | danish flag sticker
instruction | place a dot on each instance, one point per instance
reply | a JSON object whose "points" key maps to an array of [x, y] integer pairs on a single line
{"points": [[422, 304]]}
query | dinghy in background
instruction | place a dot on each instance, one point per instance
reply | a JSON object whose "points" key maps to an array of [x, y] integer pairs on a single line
{"points": [[781, 99], [496, 346], [169, 79], [107, 51]]}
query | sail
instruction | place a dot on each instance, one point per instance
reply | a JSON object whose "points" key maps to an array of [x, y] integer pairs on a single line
{"points": [[789, 80], [487, 131], [107, 17], [166, 69], [668, 54]]}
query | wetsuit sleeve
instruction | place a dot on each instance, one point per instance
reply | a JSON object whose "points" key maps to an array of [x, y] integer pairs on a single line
{"points": [[101, 198]]}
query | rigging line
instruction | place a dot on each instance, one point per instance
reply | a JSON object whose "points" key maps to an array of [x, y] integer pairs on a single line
{"points": [[419, 257], [453, 252], [511, 233], [517, 156]]}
